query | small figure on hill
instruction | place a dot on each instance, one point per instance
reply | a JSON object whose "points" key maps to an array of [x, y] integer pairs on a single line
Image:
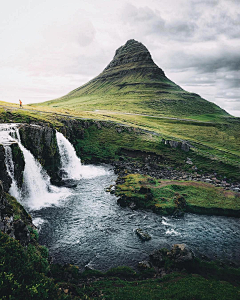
{"points": [[20, 103]]}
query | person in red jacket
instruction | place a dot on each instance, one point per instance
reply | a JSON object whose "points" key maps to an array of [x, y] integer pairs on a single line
{"points": [[20, 102]]}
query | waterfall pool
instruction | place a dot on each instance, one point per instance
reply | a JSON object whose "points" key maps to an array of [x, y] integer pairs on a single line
{"points": [[88, 227]]}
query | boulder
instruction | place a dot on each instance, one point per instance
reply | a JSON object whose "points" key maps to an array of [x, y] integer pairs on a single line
{"points": [[180, 253], [157, 258], [143, 235], [144, 265]]}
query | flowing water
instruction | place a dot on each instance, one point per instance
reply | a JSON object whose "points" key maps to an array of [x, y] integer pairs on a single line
{"points": [[84, 225], [89, 228]]}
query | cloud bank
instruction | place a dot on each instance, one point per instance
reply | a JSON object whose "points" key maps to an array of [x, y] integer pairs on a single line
{"points": [[51, 47]]}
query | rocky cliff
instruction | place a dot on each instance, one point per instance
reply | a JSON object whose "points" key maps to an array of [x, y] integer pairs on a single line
{"points": [[14, 220], [41, 142], [4, 177]]}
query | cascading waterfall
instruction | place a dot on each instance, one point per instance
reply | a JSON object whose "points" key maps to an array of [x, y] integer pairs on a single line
{"points": [[70, 163], [14, 190], [37, 190]]}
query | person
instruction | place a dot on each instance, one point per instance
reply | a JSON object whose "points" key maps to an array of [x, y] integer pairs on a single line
{"points": [[20, 102]]}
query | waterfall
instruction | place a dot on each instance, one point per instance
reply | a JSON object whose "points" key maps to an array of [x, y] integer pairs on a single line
{"points": [[71, 166], [36, 190], [36, 187], [70, 163], [14, 190]]}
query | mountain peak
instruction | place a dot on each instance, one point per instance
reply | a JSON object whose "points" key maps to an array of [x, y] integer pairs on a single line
{"points": [[132, 53]]}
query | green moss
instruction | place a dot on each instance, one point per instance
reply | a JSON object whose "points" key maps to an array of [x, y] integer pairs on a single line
{"points": [[19, 211]]}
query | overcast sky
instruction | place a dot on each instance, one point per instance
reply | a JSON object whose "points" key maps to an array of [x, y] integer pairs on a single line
{"points": [[50, 47]]}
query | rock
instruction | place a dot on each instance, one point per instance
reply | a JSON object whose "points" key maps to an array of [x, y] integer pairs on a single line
{"points": [[19, 163], [189, 161], [185, 146], [144, 265], [42, 143], [181, 254], [4, 177], [157, 258], [132, 205], [21, 232], [143, 235]]}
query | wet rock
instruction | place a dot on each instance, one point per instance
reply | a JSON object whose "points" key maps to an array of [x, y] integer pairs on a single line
{"points": [[180, 253], [4, 177], [157, 258], [19, 163], [42, 143], [132, 205], [142, 235], [144, 265]]}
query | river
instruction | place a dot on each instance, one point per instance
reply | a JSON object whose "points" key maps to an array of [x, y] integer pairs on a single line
{"points": [[88, 227]]}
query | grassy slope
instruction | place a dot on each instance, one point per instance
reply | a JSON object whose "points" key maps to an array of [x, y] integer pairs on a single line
{"points": [[132, 82], [164, 195], [136, 94], [219, 155]]}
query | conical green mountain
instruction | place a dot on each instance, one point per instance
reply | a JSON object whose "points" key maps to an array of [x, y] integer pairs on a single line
{"points": [[133, 83]]}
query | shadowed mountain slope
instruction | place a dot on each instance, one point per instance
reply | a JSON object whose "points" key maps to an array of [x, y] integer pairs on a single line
{"points": [[133, 83]]}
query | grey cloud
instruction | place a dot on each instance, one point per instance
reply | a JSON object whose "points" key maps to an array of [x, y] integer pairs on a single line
{"points": [[151, 22], [198, 21]]}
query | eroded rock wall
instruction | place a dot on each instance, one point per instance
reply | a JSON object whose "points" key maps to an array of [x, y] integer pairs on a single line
{"points": [[41, 142], [4, 177]]}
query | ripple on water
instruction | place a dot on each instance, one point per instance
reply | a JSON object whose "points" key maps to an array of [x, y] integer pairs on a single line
{"points": [[90, 228]]}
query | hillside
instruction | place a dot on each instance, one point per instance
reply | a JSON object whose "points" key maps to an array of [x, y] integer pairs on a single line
{"points": [[133, 83]]}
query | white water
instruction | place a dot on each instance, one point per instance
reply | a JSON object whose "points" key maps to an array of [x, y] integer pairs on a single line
{"points": [[14, 190], [71, 165], [37, 191]]}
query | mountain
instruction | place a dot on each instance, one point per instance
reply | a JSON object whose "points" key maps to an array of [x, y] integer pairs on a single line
{"points": [[132, 82]]}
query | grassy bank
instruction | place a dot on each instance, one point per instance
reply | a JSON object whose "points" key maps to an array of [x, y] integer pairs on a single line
{"points": [[169, 196], [102, 137]]}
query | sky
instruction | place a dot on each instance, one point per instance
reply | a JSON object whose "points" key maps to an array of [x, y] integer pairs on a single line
{"points": [[48, 48]]}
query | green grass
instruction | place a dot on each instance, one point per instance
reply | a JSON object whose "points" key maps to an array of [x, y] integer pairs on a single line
{"points": [[176, 286], [210, 154], [165, 193]]}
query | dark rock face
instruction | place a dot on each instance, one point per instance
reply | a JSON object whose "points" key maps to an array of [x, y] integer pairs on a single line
{"points": [[184, 145], [41, 142], [179, 255], [19, 163], [4, 177], [135, 55], [16, 229], [5, 207]]}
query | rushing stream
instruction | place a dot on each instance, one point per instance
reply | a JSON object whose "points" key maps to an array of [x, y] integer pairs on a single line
{"points": [[89, 228], [83, 225]]}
